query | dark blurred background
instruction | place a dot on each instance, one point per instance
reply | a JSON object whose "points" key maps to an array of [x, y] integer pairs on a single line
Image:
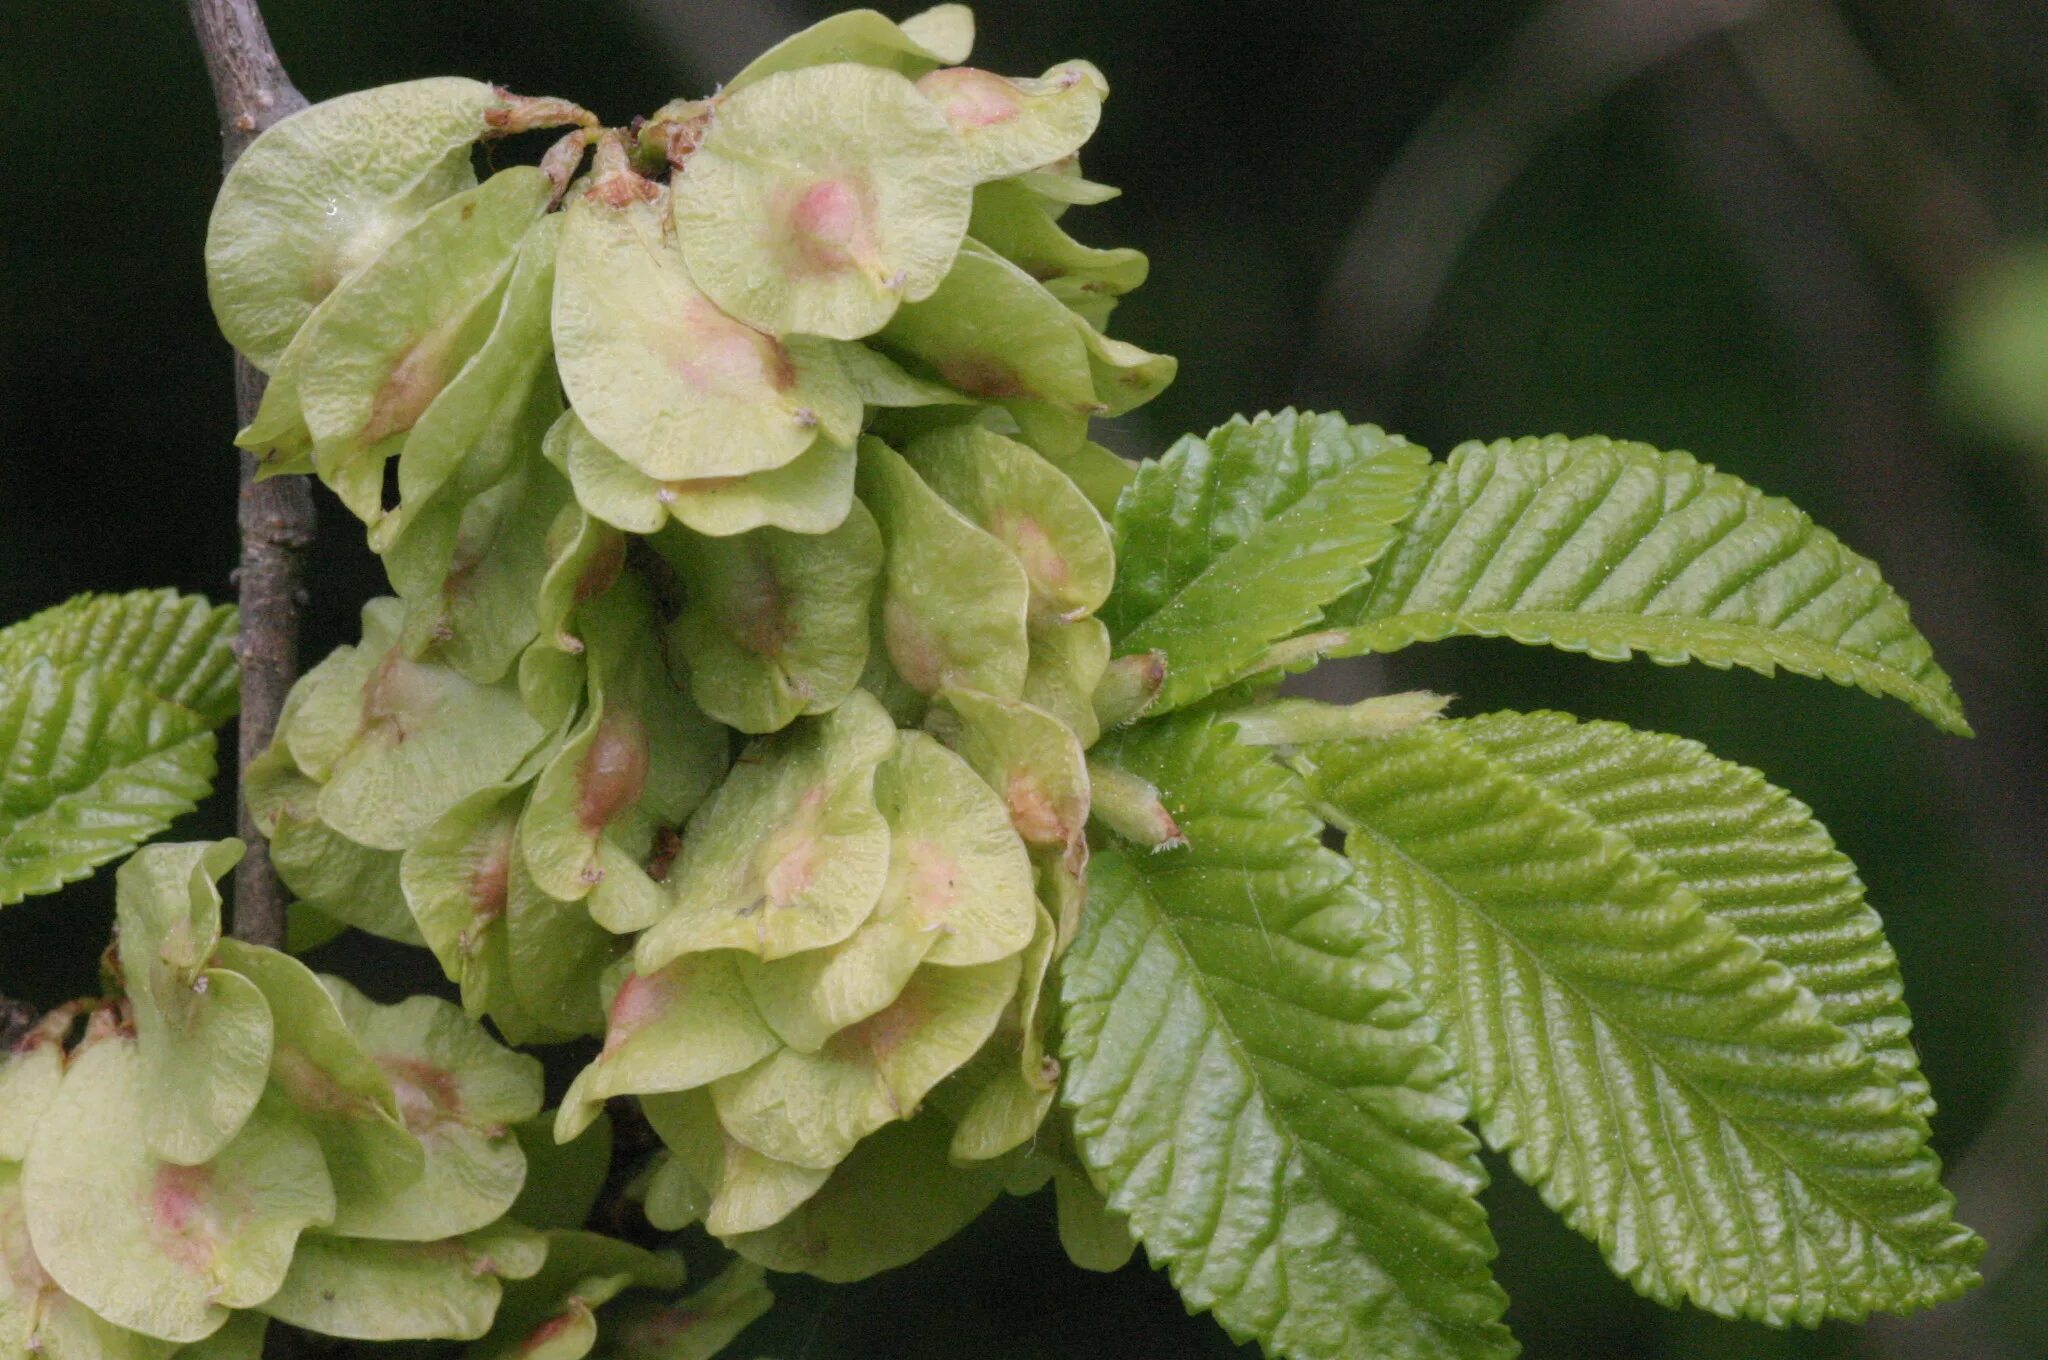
{"points": [[1794, 238]]}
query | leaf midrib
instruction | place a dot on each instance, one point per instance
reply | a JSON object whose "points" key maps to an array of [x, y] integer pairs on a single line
{"points": [[1351, 827], [1387, 634], [1294, 1141], [1314, 500]]}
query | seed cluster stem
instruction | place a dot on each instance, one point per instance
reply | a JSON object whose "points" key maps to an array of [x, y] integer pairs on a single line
{"points": [[275, 516]]}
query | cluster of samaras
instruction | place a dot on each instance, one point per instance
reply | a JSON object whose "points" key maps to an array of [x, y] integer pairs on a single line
{"points": [[747, 541]]}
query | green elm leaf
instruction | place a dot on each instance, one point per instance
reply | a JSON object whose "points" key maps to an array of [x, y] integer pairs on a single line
{"points": [[177, 647], [204, 1034], [791, 852], [954, 599], [1672, 1090], [458, 1091], [1014, 125], [363, 1290], [820, 198], [775, 624], [894, 1199], [324, 192], [91, 764], [149, 1245], [1254, 1083], [698, 1326], [1753, 854], [1613, 548], [1236, 540], [657, 373], [1031, 508], [941, 36]]}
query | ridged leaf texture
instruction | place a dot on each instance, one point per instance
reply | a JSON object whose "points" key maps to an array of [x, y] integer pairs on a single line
{"points": [[1232, 542], [1257, 1087], [1754, 855], [1611, 548], [91, 765], [1669, 1087], [177, 647]]}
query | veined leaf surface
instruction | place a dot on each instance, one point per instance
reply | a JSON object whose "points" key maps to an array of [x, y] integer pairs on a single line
{"points": [[1257, 1087], [1613, 548]]}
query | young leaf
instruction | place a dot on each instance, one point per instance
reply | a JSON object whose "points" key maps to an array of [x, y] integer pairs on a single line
{"points": [[1613, 548], [1752, 853], [1671, 1090], [1255, 1085], [1232, 542], [91, 764], [177, 647]]}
